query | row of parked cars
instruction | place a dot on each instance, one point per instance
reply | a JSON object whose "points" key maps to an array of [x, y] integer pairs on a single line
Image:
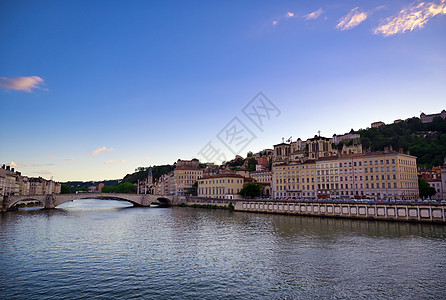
{"points": [[353, 200]]}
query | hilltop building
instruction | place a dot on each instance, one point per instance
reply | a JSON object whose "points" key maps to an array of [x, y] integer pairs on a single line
{"points": [[377, 124], [429, 118]]}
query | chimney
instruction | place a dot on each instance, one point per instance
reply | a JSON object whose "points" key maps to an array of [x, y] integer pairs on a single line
{"points": [[12, 169], [3, 166], [7, 168]]}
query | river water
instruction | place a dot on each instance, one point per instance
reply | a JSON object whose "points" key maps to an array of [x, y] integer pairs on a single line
{"points": [[105, 249]]}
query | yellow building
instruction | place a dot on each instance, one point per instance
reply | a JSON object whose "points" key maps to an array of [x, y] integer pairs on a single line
{"points": [[294, 180], [184, 178], [390, 175], [262, 176], [327, 177], [220, 186]]}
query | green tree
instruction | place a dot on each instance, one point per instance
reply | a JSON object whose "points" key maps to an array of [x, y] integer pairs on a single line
{"points": [[82, 189], [425, 189], [252, 162], [193, 190], [125, 187], [65, 189], [252, 190], [108, 189]]}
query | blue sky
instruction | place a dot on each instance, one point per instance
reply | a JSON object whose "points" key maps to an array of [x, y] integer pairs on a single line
{"points": [[90, 90]]}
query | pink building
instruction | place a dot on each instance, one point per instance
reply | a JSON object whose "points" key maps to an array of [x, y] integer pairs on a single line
{"points": [[351, 176]]}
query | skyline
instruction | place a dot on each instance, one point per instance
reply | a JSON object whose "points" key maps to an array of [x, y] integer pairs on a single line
{"points": [[91, 91]]}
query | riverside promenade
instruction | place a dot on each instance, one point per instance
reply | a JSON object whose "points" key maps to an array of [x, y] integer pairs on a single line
{"points": [[414, 212]]}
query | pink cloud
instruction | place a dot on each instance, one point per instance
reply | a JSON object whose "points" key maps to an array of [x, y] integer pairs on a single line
{"points": [[26, 84]]}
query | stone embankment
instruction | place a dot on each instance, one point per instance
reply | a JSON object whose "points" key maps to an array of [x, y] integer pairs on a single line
{"points": [[388, 212]]}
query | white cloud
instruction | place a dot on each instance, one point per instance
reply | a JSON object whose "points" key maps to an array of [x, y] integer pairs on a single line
{"points": [[275, 23], [26, 84], [289, 15], [352, 19], [97, 151], [314, 15], [14, 164], [411, 18]]}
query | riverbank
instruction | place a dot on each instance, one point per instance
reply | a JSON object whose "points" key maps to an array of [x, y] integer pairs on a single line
{"points": [[387, 212]]}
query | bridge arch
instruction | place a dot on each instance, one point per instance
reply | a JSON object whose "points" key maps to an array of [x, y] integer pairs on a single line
{"points": [[14, 202], [54, 200], [64, 199]]}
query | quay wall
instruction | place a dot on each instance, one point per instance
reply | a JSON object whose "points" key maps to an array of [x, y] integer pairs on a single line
{"points": [[369, 211]]}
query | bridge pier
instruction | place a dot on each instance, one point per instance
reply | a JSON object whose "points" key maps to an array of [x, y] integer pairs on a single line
{"points": [[50, 201], [3, 203]]}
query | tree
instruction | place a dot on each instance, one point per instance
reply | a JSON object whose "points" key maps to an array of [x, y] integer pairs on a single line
{"points": [[252, 162], [425, 189], [252, 190], [65, 189], [193, 190], [107, 189], [125, 187], [82, 189], [249, 154]]}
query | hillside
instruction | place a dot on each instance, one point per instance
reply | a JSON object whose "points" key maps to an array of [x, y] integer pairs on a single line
{"points": [[426, 141], [142, 172]]}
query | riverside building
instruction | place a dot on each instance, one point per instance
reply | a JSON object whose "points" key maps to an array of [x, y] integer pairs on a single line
{"points": [[225, 186], [377, 175]]}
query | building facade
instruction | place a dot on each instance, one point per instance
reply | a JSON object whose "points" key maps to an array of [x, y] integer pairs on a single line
{"points": [[225, 186], [184, 178], [429, 118], [377, 175]]}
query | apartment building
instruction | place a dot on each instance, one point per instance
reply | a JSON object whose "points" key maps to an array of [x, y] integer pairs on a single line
{"points": [[294, 180], [327, 177], [379, 175], [184, 178], [225, 186]]}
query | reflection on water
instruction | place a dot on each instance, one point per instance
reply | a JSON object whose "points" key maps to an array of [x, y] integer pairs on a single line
{"points": [[97, 248], [94, 204]]}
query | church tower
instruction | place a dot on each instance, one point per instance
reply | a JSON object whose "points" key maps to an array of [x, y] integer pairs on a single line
{"points": [[150, 177]]}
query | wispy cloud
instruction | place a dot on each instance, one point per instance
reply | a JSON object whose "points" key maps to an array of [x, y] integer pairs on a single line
{"points": [[44, 172], [68, 159], [314, 15], [26, 84], [41, 165], [112, 162], [288, 15], [352, 19], [411, 18], [97, 151]]}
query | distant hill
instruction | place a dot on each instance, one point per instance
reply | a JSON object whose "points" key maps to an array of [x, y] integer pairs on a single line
{"points": [[426, 141], [142, 172], [74, 185]]}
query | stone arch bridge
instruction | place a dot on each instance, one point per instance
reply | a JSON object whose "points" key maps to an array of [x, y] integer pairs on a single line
{"points": [[54, 200]]}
